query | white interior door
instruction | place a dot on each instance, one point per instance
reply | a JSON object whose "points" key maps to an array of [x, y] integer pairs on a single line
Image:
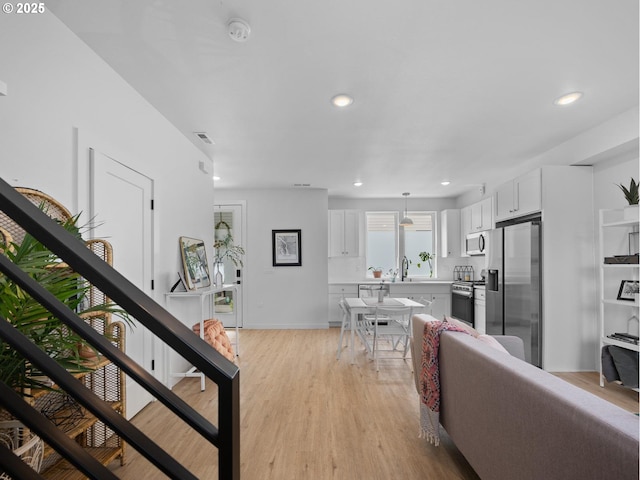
{"points": [[121, 209], [229, 219]]}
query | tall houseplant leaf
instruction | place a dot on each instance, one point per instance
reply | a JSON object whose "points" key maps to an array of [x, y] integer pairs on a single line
{"points": [[45, 330], [631, 193]]}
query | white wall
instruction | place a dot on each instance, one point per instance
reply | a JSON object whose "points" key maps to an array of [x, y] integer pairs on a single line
{"points": [[62, 98], [284, 297]]}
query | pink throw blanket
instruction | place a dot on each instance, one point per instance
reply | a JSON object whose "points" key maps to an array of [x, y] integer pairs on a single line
{"points": [[430, 380]]}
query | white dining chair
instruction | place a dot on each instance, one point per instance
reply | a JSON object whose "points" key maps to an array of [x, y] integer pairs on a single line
{"points": [[345, 324], [393, 324]]}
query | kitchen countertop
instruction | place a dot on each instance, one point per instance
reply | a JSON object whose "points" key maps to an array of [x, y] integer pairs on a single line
{"points": [[370, 281]]}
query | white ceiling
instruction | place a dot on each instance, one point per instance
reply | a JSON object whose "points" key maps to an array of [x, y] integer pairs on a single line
{"points": [[444, 89]]}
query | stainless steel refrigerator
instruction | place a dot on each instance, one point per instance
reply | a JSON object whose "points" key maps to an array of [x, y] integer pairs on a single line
{"points": [[513, 290]]}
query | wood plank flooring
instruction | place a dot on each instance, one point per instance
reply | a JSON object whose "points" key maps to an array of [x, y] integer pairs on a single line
{"points": [[305, 414]]}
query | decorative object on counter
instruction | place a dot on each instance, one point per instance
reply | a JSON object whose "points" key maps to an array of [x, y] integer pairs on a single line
{"points": [[287, 248], [377, 271], [406, 221], [427, 257], [631, 196], [463, 273], [628, 290], [194, 262], [393, 274]]}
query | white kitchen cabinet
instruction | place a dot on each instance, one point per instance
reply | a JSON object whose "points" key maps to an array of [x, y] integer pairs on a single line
{"points": [[336, 293], [481, 216], [465, 229], [344, 226], [441, 305], [479, 309], [519, 197], [450, 233], [439, 294], [616, 315]]}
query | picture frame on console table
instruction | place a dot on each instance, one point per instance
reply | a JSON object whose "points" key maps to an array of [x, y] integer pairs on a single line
{"points": [[628, 290], [194, 263], [287, 248]]}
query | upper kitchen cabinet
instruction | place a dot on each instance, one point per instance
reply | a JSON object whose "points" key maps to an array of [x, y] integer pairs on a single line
{"points": [[518, 197], [481, 216], [465, 229], [450, 233], [344, 226]]}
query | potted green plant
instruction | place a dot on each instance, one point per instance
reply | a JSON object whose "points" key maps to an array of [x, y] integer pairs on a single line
{"points": [[377, 271], [631, 196], [225, 249], [35, 321], [427, 257]]}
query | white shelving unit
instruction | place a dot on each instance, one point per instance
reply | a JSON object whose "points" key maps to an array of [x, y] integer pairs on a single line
{"points": [[208, 299], [615, 315]]}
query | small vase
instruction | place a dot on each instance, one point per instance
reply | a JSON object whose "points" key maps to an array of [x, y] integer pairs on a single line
{"points": [[218, 276], [631, 212]]}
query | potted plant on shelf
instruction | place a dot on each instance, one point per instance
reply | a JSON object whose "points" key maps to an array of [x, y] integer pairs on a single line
{"points": [[427, 257], [225, 249], [631, 196], [377, 271], [35, 321]]}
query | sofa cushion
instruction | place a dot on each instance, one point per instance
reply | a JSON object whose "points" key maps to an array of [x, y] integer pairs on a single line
{"points": [[492, 342]]}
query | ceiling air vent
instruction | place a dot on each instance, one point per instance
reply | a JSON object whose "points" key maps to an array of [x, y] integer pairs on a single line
{"points": [[204, 137]]}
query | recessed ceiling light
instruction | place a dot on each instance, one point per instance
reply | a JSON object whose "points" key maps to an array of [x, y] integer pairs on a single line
{"points": [[445, 182], [342, 100], [216, 178], [568, 98], [357, 184]]}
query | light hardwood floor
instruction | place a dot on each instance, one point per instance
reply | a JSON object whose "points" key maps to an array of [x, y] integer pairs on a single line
{"points": [[305, 415]]}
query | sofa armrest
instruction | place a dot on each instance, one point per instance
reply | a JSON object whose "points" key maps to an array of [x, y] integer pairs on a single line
{"points": [[513, 345]]}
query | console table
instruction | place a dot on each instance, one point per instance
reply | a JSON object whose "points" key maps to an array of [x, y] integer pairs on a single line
{"points": [[207, 297]]}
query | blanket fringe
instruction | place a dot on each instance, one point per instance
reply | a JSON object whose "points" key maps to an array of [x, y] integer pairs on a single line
{"points": [[430, 437]]}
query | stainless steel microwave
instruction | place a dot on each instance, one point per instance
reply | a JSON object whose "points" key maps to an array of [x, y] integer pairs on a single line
{"points": [[476, 243]]}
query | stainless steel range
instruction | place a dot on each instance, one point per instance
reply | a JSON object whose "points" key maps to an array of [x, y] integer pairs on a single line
{"points": [[462, 301]]}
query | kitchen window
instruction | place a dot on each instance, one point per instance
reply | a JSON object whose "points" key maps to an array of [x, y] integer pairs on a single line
{"points": [[388, 242]]}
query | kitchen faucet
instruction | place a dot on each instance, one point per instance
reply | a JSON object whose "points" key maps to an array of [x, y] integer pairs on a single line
{"points": [[405, 268]]}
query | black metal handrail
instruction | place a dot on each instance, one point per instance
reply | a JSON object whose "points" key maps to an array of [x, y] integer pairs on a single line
{"points": [[144, 309]]}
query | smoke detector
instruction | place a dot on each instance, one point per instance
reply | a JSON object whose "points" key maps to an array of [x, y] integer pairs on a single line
{"points": [[239, 30]]}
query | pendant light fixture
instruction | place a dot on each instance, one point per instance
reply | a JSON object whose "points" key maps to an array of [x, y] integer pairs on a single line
{"points": [[406, 221]]}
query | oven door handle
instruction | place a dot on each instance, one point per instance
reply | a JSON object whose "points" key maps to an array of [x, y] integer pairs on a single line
{"points": [[462, 294]]}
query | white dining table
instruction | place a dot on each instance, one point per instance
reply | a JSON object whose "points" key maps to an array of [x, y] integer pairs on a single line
{"points": [[357, 306]]}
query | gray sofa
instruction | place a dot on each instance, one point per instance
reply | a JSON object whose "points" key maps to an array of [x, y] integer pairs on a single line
{"points": [[512, 420]]}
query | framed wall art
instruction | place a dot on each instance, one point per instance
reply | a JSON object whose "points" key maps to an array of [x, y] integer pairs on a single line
{"points": [[628, 290], [194, 262], [287, 248]]}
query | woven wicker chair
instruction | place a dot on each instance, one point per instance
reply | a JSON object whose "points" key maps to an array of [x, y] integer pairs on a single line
{"points": [[48, 204], [10, 231], [5, 239]]}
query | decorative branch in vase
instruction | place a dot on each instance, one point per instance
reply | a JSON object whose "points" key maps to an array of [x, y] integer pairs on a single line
{"points": [[427, 257], [225, 249]]}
